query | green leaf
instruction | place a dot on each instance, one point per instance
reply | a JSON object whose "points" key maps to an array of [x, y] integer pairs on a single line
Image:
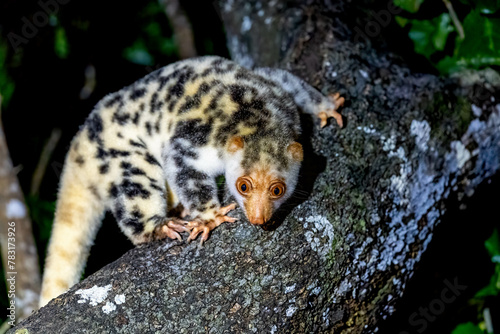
{"points": [[430, 36], [479, 48], [6, 84], [492, 289], [443, 30], [492, 244], [61, 45], [467, 328], [411, 6], [482, 37], [402, 21]]}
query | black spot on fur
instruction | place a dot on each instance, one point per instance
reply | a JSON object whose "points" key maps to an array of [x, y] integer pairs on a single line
{"points": [[125, 165], [103, 169], [188, 173], [204, 88], [120, 118], [154, 104], [94, 126], [237, 93], [118, 153], [136, 225], [178, 160], [163, 81], [213, 102], [137, 144], [194, 131], [79, 160], [101, 153], [243, 75], [177, 90], [201, 195], [183, 151], [113, 191], [131, 169], [114, 100], [148, 128], [171, 106], [156, 187], [191, 102], [137, 214], [217, 62], [138, 93], [225, 131], [135, 120], [150, 159], [134, 189], [207, 72], [119, 211]]}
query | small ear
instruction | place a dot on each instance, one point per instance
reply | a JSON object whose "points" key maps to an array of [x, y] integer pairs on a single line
{"points": [[296, 151], [235, 143]]}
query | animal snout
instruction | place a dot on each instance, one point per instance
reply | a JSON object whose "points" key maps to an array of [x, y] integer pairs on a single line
{"points": [[257, 220]]}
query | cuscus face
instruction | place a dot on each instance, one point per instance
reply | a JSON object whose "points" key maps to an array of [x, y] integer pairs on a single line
{"points": [[261, 189]]}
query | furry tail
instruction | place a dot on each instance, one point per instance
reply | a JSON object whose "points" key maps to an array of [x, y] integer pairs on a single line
{"points": [[77, 218]]}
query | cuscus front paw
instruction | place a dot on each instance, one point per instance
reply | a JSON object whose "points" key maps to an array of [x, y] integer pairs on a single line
{"points": [[205, 226], [171, 229], [337, 101]]}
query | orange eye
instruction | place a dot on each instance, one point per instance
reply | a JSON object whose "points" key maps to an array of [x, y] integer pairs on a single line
{"points": [[243, 186], [277, 190]]}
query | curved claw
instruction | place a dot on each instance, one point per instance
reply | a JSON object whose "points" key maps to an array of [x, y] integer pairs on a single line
{"points": [[171, 230], [172, 234], [204, 227], [178, 226], [195, 232]]}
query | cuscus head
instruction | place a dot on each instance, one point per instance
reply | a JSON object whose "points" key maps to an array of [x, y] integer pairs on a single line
{"points": [[262, 175]]}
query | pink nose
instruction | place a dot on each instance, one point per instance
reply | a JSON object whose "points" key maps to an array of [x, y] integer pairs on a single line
{"points": [[257, 220]]}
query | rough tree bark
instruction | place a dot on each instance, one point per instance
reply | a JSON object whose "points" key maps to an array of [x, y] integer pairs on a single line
{"points": [[340, 259], [19, 254]]}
